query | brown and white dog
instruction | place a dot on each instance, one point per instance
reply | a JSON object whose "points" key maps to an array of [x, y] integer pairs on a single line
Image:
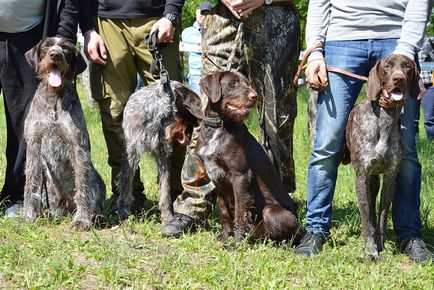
{"points": [[373, 139], [250, 193], [59, 170]]}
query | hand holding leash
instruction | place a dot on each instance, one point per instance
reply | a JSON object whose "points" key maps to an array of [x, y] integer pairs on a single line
{"points": [[316, 75], [165, 30]]}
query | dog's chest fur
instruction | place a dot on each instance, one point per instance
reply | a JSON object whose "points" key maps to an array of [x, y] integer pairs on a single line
{"points": [[209, 151], [372, 153], [51, 122]]}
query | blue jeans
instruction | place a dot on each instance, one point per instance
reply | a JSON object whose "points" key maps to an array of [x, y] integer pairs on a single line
{"points": [[428, 111], [334, 106], [193, 83]]}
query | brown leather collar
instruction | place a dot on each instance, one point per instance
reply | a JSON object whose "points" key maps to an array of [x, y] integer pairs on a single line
{"points": [[390, 104]]}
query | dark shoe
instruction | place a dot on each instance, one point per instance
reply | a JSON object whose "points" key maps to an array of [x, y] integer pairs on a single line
{"points": [[417, 251], [177, 226], [14, 210], [311, 244]]}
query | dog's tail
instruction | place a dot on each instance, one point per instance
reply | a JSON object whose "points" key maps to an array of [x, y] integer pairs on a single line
{"points": [[281, 224]]}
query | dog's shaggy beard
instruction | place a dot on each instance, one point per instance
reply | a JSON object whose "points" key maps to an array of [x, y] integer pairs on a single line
{"points": [[237, 112]]}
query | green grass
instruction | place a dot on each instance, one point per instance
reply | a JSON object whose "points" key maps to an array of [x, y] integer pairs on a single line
{"points": [[47, 254]]}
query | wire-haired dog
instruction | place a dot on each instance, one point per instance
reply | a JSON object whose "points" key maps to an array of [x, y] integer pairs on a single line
{"points": [[373, 138], [153, 119], [251, 195], [58, 148]]}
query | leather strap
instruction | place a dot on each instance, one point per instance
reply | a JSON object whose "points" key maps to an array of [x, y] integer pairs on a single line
{"points": [[302, 67], [155, 49]]}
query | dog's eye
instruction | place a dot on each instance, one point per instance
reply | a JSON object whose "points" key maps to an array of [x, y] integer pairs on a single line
{"points": [[406, 66]]}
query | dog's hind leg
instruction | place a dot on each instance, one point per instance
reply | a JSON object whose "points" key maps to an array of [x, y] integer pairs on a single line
{"points": [[130, 162], [164, 170], [366, 204], [280, 224], [33, 185], [98, 190]]}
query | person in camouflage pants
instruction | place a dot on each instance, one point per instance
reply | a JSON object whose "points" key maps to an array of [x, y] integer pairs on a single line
{"points": [[265, 47]]}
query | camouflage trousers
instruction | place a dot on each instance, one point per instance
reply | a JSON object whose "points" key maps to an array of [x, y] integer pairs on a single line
{"points": [[265, 47]]}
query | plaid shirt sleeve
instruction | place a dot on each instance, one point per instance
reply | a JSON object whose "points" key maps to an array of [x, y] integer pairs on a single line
{"points": [[426, 77]]}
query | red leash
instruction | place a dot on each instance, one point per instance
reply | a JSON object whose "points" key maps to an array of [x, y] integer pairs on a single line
{"points": [[302, 66]]}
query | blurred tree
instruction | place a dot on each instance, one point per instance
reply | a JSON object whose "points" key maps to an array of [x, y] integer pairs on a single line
{"points": [[302, 9], [430, 27], [188, 12]]}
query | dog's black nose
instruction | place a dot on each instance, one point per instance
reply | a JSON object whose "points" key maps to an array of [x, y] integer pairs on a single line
{"points": [[252, 96], [54, 54]]}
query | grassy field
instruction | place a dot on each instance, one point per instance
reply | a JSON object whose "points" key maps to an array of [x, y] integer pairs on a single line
{"points": [[47, 254]]}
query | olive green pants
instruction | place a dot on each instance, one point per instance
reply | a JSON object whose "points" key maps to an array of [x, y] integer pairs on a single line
{"points": [[128, 56]]}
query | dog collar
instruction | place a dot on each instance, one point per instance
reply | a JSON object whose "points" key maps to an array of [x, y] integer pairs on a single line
{"points": [[216, 122], [387, 104]]}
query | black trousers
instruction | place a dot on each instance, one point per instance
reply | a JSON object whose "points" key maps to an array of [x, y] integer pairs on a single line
{"points": [[18, 86]]}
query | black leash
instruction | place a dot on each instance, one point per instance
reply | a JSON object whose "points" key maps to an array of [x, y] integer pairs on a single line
{"points": [[155, 49]]}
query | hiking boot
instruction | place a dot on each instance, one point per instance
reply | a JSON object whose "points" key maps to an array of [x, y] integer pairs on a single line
{"points": [[14, 210], [417, 251], [310, 244], [177, 226]]}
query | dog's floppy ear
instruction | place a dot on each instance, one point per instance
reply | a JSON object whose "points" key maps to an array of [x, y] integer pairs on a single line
{"points": [[189, 100], [417, 88], [373, 85], [211, 87], [32, 56]]}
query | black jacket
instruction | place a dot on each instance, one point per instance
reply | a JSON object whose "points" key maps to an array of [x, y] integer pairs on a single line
{"points": [[61, 19], [126, 9]]}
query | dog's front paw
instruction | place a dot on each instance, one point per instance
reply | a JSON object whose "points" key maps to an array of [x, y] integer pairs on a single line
{"points": [[124, 213], [371, 253], [81, 224], [223, 236], [29, 216]]}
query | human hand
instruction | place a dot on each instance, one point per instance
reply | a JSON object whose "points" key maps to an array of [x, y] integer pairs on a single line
{"points": [[228, 4], [316, 74], [244, 8], [94, 47], [166, 30]]}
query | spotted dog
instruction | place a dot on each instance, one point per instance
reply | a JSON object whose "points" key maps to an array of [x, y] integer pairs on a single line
{"points": [[59, 171], [373, 139]]}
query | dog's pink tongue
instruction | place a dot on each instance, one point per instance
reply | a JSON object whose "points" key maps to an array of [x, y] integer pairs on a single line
{"points": [[54, 79], [397, 96]]}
